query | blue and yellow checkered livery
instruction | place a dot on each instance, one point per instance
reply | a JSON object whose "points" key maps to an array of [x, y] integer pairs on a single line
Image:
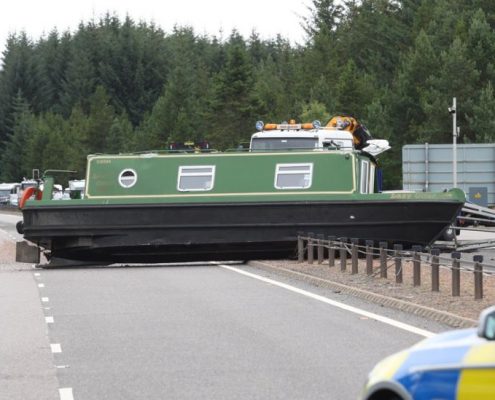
{"points": [[456, 365]]}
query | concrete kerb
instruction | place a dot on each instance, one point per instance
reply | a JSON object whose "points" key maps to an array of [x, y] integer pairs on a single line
{"points": [[444, 317]]}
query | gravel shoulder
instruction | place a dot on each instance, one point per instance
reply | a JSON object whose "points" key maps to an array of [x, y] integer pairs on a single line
{"points": [[375, 288]]}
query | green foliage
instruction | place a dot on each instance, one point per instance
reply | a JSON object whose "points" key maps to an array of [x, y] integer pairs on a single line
{"points": [[314, 111], [232, 101], [116, 85], [482, 120], [13, 162]]}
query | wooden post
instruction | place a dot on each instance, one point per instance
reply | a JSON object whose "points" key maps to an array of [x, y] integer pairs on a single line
{"points": [[300, 248], [398, 263], [343, 254], [369, 257], [435, 270], [478, 277], [383, 259], [310, 246], [331, 251], [416, 265], [320, 248], [354, 255], [456, 274]]}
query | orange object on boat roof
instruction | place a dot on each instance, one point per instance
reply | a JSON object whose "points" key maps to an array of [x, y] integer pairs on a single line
{"points": [[343, 123]]}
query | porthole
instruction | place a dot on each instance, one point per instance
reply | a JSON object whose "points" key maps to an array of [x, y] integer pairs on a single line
{"points": [[127, 178]]}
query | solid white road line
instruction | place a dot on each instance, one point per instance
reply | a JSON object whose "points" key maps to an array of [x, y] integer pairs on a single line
{"points": [[49, 320], [355, 310], [65, 394], [56, 348]]}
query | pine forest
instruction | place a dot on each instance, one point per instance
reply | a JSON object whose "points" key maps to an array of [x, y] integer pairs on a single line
{"points": [[117, 85]]}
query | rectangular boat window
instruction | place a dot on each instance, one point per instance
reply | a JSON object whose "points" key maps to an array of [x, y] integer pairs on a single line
{"points": [[293, 176], [196, 178], [364, 176]]}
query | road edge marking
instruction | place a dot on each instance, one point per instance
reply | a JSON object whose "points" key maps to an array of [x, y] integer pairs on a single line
{"points": [[342, 306]]}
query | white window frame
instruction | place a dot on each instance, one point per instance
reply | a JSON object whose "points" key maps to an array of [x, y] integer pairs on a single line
{"points": [[277, 172], [364, 184], [183, 172], [123, 172], [372, 179]]}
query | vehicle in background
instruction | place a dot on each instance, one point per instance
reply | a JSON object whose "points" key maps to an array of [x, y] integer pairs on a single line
{"points": [[5, 191], [458, 364], [14, 196], [76, 189], [19, 189], [58, 192]]}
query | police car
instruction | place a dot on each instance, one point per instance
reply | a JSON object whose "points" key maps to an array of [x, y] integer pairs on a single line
{"points": [[456, 365]]}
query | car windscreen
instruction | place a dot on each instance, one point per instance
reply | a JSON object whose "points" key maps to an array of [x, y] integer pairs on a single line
{"points": [[283, 143]]}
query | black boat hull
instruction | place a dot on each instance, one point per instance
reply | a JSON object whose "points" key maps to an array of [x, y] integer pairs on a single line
{"points": [[146, 233]]}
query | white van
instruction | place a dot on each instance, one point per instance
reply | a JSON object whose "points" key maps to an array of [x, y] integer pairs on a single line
{"points": [[5, 190], [18, 190]]}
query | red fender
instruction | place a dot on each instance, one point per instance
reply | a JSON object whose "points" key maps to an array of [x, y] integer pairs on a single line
{"points": [[28, 193]]}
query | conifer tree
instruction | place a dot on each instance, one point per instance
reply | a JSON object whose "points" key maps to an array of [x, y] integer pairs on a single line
{"points": [[13, 161]]}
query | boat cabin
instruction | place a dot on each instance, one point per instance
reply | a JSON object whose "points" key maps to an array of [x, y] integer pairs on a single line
{"points": [[284, 161]]}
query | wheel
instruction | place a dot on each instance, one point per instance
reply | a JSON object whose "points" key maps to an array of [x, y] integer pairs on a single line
{"points": [[19, 227]]}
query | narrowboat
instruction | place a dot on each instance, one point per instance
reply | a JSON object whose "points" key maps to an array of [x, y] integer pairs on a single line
{"points": [[201, 205]]}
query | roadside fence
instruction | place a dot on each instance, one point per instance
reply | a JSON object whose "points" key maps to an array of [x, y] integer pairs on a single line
{"points": [[390, 260]]}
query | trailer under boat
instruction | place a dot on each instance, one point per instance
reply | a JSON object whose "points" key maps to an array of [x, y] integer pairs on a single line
{"points": [[201, 206]]}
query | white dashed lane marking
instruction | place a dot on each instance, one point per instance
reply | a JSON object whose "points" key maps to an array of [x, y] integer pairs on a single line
{"points": [[49, 320], [41, 285], [65, 394], [56, 348], [45, 299]]}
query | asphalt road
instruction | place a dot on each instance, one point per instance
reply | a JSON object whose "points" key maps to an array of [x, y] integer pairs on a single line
{"points": [[7, 224], [186, 332]]}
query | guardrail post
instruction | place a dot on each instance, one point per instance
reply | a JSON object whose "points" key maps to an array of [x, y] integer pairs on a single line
{"points": [[435, 270], [300, 248], [456, 274], [478, 277], [369, 257], [311, 246], [320, 248], [383, 259], [343, 254], [331, 251], [398, 262], [416, 265], [354, 255]]}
